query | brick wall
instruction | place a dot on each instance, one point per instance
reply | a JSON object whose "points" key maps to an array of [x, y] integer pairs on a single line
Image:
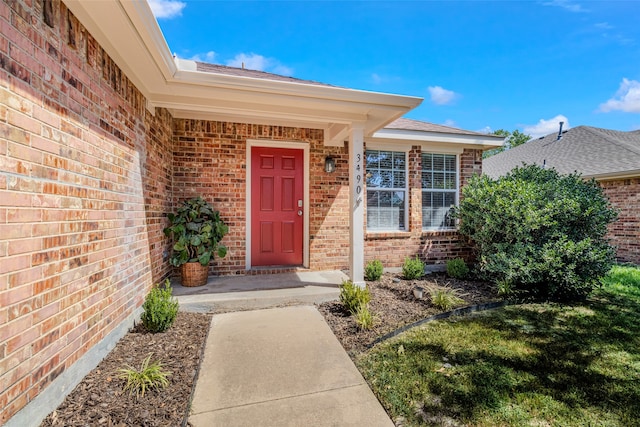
{"points": [[209, 159], [433, 247], [624, 195], [77, 245]]}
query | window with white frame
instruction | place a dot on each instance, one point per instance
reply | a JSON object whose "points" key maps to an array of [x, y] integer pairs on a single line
{"points": [[439, 190], [386, 190]]}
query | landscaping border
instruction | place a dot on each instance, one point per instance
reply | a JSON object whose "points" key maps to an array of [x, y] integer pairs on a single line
{"points": [[455, 312]]}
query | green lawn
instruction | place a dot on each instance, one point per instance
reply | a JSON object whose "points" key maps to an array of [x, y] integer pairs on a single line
{"points": [[525, 365]]}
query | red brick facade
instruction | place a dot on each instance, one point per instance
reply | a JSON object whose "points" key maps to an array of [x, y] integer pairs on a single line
{"points": [[87, 177], [210, 160], [85, 183], [624, 195]]}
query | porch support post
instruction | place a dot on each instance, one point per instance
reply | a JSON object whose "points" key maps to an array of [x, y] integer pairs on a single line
{"points": [[356, 204]]}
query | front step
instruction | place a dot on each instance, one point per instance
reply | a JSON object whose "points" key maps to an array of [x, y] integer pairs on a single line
{"points": [[236, 293]]}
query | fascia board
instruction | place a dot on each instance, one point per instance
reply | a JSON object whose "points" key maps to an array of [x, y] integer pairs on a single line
{"points": [[614, 175], [318, 114], [197, 95], [145, 23], [422, 136], [330, 93]]}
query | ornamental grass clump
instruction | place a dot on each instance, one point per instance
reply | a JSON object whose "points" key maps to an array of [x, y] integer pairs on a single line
{"points": [[149, 376], [160, 309], [412, 268], [538, 233], [373, 270], [364, 317], [445, 298]]}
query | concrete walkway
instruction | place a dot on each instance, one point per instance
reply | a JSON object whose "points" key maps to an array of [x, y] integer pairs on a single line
{"points": [[280, 367]]}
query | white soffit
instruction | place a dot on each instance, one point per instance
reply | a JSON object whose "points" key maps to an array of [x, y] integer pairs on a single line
{"points": [[130, 34]]}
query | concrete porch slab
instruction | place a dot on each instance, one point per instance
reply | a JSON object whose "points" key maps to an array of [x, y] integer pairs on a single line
{"points": [[252, 292]]}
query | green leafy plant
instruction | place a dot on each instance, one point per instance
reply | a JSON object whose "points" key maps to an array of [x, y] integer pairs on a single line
{"points": [[160, 309], [445, 298], [542, 232], [149, 376], [457, 268], [373, 270], [364, 317], [197, 230], [505, 288], [352, 296], [412, 268]]}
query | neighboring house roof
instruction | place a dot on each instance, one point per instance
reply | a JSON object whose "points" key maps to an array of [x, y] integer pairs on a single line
{"points": [[410, 124], [590, 151]]}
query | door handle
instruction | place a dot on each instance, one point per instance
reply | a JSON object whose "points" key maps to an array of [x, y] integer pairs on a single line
{"points": [[300, 212]]}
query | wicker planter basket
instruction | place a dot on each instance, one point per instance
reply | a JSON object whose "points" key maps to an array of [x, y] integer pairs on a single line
{"points": [[194, 274]]}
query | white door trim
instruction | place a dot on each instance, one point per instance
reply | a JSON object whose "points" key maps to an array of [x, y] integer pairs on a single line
{"points": [[305, 208]]}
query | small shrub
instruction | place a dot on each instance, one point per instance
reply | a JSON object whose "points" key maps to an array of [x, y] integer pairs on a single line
{"points": [[364, 318], [445, 298], [412, 268], [457, 268], [160, 310], [150, 375], [373, 270], [352, 296]]}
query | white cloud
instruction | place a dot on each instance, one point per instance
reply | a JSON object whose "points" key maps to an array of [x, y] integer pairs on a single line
{"points": [[253, 61], [626, 99], [569, 5], [166, 9], [204, 57], [545, 127], [376, 78], [451, 123], [604, 26], [486, 129], [441, 96]]}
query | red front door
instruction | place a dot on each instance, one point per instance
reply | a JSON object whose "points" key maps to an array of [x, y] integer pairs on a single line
{"points": [[276, 206]]}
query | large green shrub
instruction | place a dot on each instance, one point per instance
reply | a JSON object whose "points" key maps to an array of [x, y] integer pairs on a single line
{"points": [[160, 309], [539, 233]]}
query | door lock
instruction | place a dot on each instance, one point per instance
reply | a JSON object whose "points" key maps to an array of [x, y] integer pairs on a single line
{"points": [[300, 212]]}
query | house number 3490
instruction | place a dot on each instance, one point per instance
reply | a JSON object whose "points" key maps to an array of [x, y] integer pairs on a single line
{"points": [[358, 166]]}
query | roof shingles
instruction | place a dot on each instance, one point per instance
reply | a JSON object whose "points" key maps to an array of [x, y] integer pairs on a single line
{"points": [[587, 150]]}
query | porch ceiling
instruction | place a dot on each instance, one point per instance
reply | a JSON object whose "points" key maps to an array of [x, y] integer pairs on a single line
{"points": [[130, 34]]}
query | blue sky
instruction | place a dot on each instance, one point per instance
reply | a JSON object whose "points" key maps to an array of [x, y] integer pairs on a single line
{"points": [[479, 65]]}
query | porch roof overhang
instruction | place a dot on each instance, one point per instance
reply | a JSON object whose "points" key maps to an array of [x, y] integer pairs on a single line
{"points": [[130, 34], [458, 140]]}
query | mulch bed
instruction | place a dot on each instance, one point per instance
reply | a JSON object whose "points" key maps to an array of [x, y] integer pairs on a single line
{"points": [[394, 305], [99, 400]]}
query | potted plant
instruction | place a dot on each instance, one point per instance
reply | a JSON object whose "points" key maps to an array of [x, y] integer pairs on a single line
{"points": [[197, 230]]}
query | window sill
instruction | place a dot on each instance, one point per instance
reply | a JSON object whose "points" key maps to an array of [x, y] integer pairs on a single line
{"points": [[378, 235], [440, 232]]}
